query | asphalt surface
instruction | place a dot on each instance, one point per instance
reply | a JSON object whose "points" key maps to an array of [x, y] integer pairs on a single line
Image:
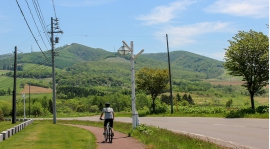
{"points": [[235, 133]]}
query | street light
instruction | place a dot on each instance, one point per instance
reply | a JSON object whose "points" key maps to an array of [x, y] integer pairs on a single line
{"points": [[123, 50]]}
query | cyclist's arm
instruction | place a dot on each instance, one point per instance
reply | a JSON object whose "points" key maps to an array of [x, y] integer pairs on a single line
{"points": [[101, 115]]}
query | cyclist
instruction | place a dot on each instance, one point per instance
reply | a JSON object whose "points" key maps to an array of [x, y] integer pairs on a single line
{"points": [[108, 117]]}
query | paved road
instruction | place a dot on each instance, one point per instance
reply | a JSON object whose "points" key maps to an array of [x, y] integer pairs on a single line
{"points": [[235, 133]]}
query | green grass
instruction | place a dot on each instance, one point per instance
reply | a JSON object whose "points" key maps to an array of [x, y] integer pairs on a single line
{"points": [[3, 72], [4, 125], [153, 137], [44, 134]]}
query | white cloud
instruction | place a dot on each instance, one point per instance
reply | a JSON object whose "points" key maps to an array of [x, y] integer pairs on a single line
{"points": [[81, 3], [253, 8], [162, 14], [219, 55], [185, 34]]}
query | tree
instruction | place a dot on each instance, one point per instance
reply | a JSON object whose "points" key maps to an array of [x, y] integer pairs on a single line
{"points": [[152, 81], [190, 100], [9, 91], [178, 97], [248, 56]]}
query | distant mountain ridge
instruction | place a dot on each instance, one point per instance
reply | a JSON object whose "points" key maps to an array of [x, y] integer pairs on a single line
{"points": [[183, 64]]}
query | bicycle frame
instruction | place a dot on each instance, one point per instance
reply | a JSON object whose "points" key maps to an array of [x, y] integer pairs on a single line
{"points": [[108, 136]]}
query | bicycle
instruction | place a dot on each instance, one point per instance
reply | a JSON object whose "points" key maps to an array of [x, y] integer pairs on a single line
{"points": [[108, 136]]}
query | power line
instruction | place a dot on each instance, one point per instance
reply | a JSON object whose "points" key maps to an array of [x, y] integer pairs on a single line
{"points": [[54, 8], [41, 18], [36, 24], [30, 28]]}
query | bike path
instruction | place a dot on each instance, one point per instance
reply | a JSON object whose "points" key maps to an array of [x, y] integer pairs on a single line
{"points": [[120, 140]]}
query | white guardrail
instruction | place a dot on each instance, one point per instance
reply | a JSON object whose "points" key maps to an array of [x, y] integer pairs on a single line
{"points": [[4, 135]]}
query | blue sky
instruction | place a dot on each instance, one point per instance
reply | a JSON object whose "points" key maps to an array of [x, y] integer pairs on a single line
{"points": [[198, 26]]}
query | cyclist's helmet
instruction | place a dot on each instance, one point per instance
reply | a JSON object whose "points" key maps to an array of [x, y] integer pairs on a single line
{"points": [[107, 104]]}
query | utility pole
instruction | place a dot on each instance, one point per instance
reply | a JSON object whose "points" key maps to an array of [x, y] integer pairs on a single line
{"points": [[23, 95], [14, 88], [54, 22], [170, 77], [29, 101]]}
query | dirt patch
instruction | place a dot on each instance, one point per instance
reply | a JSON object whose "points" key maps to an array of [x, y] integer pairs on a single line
{"points": [[35, 89], [233, 83]]}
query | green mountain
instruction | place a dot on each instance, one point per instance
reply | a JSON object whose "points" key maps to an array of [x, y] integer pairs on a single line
{"points": [[82, 65], [191, 62]]}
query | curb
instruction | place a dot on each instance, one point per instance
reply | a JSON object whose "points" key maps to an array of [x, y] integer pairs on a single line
{"points": [[4, 135]]}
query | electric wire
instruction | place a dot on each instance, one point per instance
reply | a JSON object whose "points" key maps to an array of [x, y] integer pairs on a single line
{"points": [[54, 8], [41, 19], [36, 24], [30, 28]]}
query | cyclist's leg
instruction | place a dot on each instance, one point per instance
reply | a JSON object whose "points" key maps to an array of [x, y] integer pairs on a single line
{"points": [[111, 125], [105, 123]]}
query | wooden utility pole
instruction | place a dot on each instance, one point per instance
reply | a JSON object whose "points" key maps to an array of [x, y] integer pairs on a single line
{"points": [[170, 77], [14, 88]]}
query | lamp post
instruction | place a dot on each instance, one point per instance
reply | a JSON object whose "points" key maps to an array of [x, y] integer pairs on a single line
{"points": [[23, 95], [123, 50]]}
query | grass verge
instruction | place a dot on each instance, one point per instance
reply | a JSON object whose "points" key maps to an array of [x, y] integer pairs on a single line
{"points": [[44, 134], [153, 137], [4, 125]]}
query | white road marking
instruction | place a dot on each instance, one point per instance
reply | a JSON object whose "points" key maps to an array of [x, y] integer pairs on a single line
{"points": [[228, 125], [230, 144]]}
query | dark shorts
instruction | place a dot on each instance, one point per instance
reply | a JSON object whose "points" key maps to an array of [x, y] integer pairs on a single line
{"points": [[108, 120]]}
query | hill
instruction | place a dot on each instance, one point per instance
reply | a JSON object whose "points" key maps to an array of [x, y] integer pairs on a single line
{"points": [[82, 65]]}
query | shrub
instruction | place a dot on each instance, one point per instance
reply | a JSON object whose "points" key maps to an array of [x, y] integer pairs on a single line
{"points": [[229, 103], [262, 109], [184, 103], [6, 108], [240, 113], [94, 109], [1, 116], [144, 129], [160, 107], [235, 114]]}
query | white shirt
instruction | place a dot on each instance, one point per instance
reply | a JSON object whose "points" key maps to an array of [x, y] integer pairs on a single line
{"points": [[108, 113]]}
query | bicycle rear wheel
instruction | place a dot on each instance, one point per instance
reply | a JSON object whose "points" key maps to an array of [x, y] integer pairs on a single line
{"points": [[110, 136]]}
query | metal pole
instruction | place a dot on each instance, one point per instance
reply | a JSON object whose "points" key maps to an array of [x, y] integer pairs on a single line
{"points": [[170, 75], [53, 74], [133, 86], [29, 101], [24, 106], [14, 88]]}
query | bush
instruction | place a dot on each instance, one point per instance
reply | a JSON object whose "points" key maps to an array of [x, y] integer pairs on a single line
{"points": [[6, 108], [235, 114], [262, 109], [1, 116], [94, 109], [184, 103], [160, 107], [229, 103], [240, 113], [144, 129]]}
